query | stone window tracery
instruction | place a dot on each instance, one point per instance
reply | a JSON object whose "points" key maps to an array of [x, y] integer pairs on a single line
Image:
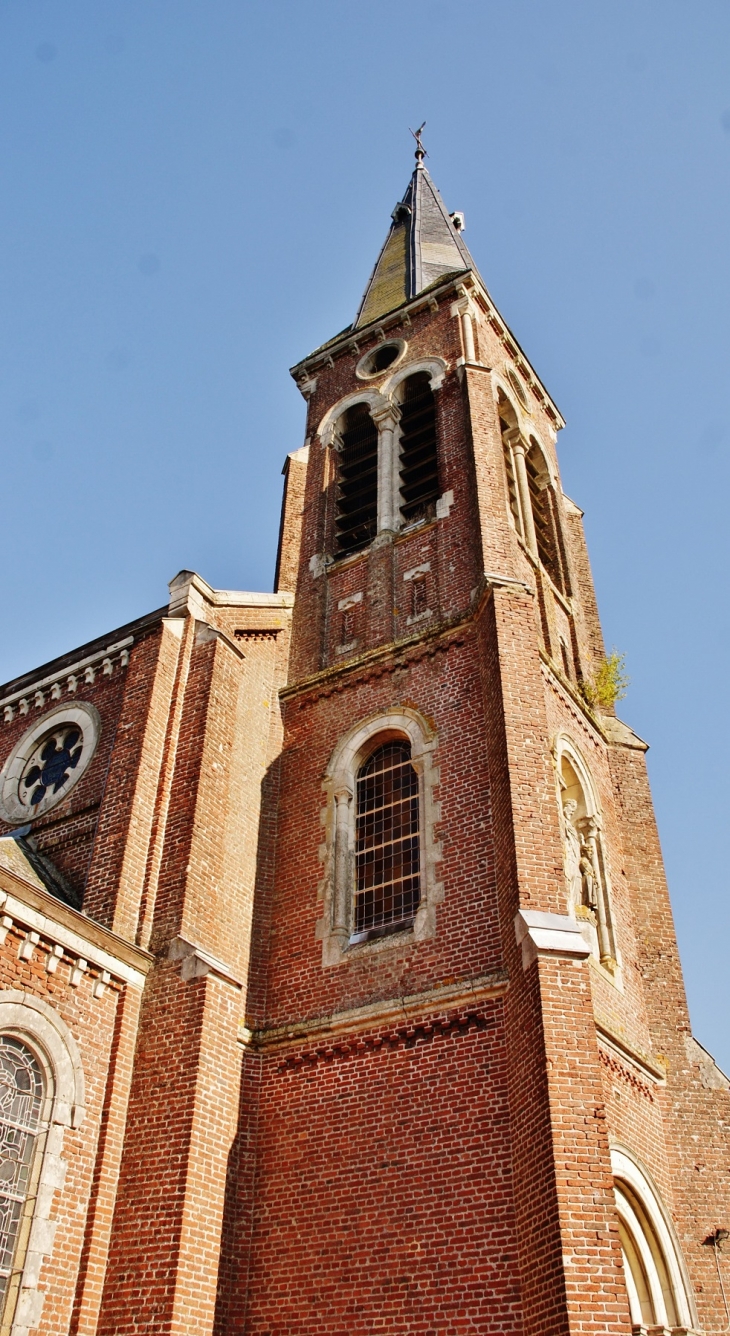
{"points": [[48, 761], [41, 1094], [22, 1097]]}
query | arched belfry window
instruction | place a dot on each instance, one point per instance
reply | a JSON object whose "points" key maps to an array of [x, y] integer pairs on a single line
{"points": [[387, 843], [510, 437], [419, 481], [357, 480], [531, 494], [22, 1133], [658, 1292], [542, 499]]}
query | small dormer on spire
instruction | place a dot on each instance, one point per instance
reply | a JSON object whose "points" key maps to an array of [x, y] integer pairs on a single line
{"points": [[424, 244]]}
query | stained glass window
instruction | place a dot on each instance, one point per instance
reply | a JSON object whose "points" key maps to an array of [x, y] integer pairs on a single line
{"points": [[51, 764], [388, 884], [21, 1103]]}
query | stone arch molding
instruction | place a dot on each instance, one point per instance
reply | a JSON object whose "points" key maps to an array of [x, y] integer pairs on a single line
{"points": [[564, 745], [328, 426], [32, 1019], [383, 400], [435, 367], [336, 890], [525, 423], [629, 1171], [38, 1025]]}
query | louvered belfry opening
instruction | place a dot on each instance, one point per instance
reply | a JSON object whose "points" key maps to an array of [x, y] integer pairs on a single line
{"points": [[357, 482], [543, 517], [514, 502], [387, 842], [419, 482]]}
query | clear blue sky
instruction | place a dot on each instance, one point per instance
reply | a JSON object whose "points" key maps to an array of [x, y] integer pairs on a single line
{"points": [[194, 194]]}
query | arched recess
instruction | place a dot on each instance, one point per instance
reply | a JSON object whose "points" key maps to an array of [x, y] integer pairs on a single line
{"points": [[511, 442], [337, 927], [35, 1028], [586, 864], [545, 518], [376, 402], [657, 1281]]}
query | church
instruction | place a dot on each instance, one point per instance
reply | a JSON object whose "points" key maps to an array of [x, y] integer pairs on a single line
{"points": [[340, 989]]}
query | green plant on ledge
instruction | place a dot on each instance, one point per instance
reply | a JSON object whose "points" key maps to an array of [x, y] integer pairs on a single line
{"points": [[609, 683]]}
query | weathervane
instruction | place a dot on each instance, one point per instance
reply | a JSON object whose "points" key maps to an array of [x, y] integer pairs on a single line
{"points": [[420, 150]]}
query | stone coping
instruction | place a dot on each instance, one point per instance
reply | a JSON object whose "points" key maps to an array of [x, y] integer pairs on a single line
{"points": [[47, 919], [406, 1010]]}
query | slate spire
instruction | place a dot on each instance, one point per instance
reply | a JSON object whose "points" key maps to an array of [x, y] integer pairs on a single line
{"points": [[423, 245]]}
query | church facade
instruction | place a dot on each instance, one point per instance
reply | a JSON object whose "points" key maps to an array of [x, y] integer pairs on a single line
{"points": [[340, 991]]}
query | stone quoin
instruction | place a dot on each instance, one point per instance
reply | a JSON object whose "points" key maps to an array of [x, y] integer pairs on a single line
{"points": [[340, 989]]}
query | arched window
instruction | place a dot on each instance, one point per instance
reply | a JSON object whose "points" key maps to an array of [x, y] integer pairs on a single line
{"points": [[510, 435], [586, 870], [542, 500], [357, 481], [387, 840], [655, 1282], [382, 849], [22, 1134], [419, 482], [532, 501]]}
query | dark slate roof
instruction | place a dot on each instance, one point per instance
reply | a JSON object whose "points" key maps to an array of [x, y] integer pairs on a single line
{"points": [[422, 246]]}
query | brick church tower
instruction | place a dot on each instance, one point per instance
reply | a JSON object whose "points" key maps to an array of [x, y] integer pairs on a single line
{"points": [[341, 991]]}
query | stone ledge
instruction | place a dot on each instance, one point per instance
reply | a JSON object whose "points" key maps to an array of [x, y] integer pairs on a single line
{"points": [[650, 1068], [414, 1006], [542, 934], [81, 938]]}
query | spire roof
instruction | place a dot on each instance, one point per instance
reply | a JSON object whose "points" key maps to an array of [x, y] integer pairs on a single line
{"points": [[423, 245]]}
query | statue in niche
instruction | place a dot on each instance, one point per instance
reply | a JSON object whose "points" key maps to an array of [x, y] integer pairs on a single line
{"points": [[580, 859], [573, 853], [582, 870]]}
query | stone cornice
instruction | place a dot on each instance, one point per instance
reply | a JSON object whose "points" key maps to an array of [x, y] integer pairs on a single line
{"points": [[651, 1069], [385, 658], [189, 594], [34, 693], [50, 924], [400, 1010], [610, 729]]}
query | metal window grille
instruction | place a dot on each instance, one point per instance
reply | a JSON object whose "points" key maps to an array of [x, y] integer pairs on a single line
{"points": [[387, 857], [419, 482], [21, 1102], [357, 489]]}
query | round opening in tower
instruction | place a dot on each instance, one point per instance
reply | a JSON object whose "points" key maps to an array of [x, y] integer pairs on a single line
{"points": [[380, 359]]}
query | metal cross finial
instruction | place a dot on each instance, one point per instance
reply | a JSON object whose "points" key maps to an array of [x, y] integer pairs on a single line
{"points": [[420, 150]]}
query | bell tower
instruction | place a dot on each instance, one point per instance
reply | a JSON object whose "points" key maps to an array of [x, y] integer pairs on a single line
{"points": [[468, 1034]]}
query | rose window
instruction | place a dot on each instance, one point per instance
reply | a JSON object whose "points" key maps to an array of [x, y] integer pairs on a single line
{"points": [[48, 761], [51, 765]]}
